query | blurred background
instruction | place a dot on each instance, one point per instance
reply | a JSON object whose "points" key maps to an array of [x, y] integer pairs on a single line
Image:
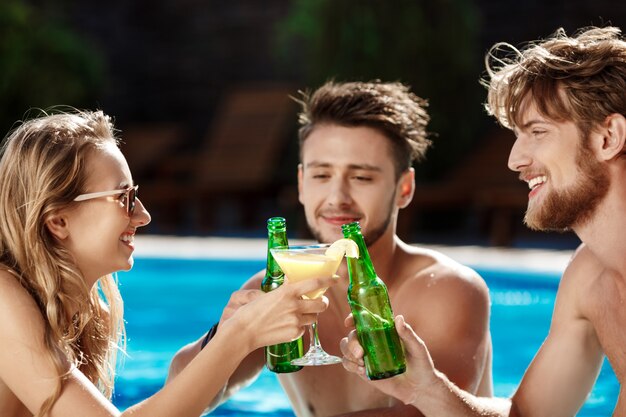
{"points": [[200, 92]]}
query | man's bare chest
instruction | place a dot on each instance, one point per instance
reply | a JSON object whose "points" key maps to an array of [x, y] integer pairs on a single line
{"points": [[320, 391]]}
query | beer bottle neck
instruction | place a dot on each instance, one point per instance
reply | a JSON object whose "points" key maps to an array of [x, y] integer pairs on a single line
{"points": [[275, 238], [360, 270]]}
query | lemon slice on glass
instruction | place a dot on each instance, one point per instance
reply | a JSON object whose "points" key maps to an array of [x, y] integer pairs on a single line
{"points": [[343, 247]]}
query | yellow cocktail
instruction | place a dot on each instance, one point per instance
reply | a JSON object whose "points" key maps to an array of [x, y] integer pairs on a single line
{"points": [[309, 262], [300, 265]]}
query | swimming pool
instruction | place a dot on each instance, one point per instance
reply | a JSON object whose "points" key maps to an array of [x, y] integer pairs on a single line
{"points": [[170, 302]]}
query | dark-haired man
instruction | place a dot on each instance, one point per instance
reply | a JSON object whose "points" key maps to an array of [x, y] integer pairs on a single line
{"points": [[357, 144]]}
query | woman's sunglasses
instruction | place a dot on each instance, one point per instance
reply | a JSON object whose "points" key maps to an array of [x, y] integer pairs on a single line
{"points": [[128, 197]]}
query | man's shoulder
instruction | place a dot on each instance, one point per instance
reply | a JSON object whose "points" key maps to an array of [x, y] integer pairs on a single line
{"points": [[584, 264], [441, 287], [254, 282], [586, 278], [583, 256], [424, 264], [586, 287], [435, 275]]}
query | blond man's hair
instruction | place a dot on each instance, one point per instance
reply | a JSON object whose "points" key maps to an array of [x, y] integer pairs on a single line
{"points": [[580, 78]]}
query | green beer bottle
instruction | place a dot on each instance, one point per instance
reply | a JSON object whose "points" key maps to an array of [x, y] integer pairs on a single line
{"points": [[278, 357], [371, 309]]}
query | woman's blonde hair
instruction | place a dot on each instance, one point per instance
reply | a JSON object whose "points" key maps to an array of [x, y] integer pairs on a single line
{"points": [[580, 78], [43, 168]]}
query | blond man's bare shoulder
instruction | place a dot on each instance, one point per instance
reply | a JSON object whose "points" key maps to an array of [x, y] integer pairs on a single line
{"points": [[584, 260], [587, 282], [582, 272]]}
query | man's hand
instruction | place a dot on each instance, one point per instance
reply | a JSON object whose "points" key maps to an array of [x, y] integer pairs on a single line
{"points": [[406, 387]]}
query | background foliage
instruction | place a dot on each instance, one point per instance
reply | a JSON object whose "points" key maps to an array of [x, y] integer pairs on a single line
{"points": [[429, 44], [43, 62]]}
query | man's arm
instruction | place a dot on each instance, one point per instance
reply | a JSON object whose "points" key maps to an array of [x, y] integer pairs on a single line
{"points": [[564, 370], [422, 386], [556, 383], [249, 368], [450, 307]]}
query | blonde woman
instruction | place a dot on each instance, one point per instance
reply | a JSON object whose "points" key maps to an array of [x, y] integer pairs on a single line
{"points": [[68, 216]]}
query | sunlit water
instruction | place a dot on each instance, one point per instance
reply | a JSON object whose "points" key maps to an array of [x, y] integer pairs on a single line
{"points": [[170, 302]]}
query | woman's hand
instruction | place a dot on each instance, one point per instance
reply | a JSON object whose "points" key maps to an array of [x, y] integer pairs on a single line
{"points": [[278, 316]]}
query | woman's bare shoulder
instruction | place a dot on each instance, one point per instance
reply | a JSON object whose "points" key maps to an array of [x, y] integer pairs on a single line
{"points": [[18, 309], [11, 288]]}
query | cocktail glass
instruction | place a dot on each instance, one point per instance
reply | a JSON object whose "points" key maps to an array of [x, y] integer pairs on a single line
{"points": [[308, 262]]}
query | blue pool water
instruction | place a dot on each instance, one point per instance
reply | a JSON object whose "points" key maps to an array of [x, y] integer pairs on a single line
{"points": [[170, 302]]}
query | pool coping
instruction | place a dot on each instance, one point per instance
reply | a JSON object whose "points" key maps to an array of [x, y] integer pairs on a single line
{"points": [[160, 246]]}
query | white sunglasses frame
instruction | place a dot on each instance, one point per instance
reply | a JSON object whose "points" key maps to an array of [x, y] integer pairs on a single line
{"points": [[91, 196]]}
